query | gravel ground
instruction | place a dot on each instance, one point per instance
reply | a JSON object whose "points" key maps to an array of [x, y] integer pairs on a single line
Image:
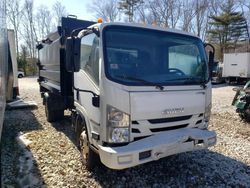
{"points": [[36, 153]]}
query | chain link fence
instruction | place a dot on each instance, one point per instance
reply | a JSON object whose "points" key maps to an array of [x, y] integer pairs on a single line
{"points": [[3, 60]]}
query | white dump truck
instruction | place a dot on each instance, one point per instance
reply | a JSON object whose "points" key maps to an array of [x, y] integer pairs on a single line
{"points": [[236, 67], [137, 93]]}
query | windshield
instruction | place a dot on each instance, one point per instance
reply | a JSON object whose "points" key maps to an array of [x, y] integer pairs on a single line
{"points": [[135, 56]]}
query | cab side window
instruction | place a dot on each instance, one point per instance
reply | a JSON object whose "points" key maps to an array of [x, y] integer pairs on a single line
{"points": [[90, 56]]}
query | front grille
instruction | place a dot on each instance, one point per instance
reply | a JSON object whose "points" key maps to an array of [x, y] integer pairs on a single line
{"points": [[135, 122], [168, 128], [135, 130], [169, 120], [198, 122], [141, 129]]}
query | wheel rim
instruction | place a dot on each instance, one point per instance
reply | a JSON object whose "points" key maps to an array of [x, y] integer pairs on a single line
{"points": [[84, 146]]}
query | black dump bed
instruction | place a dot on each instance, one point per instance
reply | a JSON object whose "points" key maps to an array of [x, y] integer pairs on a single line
{"points": [[51, 54]]}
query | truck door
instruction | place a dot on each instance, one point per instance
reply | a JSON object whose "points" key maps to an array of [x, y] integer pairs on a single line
{"points": [[88, 79]]}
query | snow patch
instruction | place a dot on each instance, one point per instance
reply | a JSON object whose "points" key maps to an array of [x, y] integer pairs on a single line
{"points": [[26, 161]]}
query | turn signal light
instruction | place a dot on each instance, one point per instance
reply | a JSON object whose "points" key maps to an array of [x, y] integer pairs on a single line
{"points": [[99, 20]]}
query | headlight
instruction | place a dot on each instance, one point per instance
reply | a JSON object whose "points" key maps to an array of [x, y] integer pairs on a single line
{"points": [[207, 112], [118, 123], [120, 135]]}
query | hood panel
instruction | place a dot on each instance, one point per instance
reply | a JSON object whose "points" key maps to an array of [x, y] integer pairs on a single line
{"points": [[155, 105]]}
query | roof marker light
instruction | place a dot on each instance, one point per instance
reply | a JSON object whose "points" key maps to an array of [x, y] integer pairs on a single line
{"points": [[99, 20]]}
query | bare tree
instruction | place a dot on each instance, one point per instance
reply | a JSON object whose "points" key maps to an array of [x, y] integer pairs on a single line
{"points": [[214, 7], [14, 16], [29, 33], [143, 14], [201, 17], [188, 13], [174, 12], [107, 10], [22, 60], [245, 7], [129, 7], [59, 11], [43, 21], [160, 11], [166, 12]]}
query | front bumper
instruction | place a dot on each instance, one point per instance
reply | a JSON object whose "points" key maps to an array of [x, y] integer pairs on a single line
{"points": [[156, 146]]}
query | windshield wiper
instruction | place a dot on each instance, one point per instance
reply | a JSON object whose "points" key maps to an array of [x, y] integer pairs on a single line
{"points": [[160, 87], [188, 79]]}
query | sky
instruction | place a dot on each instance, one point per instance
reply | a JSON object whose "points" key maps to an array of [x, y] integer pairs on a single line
{"points": [[73, 7]]}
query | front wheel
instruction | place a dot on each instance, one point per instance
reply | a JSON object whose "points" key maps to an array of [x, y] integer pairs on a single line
{"points": [[89, 158]]}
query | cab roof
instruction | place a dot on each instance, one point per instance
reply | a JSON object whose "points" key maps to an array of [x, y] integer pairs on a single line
{"points": [[146, 26]]}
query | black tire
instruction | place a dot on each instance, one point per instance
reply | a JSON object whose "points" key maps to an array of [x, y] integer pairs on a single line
{"points": [[20, 76], [228, 80], [53, 115], [89, 158], [78, 127], [236, 95], [247, 115]]}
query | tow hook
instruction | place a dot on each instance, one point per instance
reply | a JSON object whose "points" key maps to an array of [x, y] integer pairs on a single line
{"points": [[158, 154]]}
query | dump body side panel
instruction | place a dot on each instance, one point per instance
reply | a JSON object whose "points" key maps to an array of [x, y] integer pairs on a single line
{"points": [[49, 59], [53, 76]]}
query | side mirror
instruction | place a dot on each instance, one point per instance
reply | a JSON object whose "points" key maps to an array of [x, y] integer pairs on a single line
{"points": [[211, 51], [73, 54]]}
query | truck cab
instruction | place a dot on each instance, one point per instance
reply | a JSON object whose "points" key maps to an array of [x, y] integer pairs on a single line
{"points": [[140, 93]]}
